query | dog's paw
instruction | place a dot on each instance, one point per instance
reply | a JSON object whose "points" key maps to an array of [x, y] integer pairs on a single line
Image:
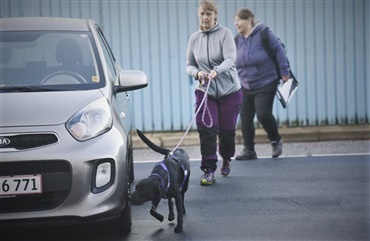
{"points": [[171, 217], [157, 215], [178, 229]]}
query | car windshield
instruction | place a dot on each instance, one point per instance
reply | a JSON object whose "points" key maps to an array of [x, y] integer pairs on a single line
{"points": [[48, 60]]}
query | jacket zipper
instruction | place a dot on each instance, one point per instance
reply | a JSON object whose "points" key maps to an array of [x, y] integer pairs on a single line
{"points": [[210, 63]]}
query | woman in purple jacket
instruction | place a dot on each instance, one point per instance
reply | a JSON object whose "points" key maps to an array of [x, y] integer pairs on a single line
{"points": [[259, 77]]}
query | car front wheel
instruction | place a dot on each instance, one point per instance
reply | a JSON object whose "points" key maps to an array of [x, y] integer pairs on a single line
{"points": [[123, 223]]}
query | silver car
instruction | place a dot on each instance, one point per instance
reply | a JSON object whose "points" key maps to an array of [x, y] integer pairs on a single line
{"points": [[65, 131]]}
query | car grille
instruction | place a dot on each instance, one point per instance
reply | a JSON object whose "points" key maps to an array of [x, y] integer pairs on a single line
{"points": [[56, 185], [28, 141]]}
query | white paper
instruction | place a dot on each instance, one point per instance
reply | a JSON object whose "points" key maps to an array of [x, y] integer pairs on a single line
{"points": [[286, 91]]}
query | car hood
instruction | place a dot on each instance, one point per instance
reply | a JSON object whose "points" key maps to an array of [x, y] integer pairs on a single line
{"points": [[43, 108]]}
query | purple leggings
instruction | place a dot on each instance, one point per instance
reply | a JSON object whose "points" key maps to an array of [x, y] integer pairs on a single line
{"points": [[223, 114]]}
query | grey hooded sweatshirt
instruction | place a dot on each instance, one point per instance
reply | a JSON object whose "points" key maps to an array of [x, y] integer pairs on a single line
{"points": [[214, 49]]}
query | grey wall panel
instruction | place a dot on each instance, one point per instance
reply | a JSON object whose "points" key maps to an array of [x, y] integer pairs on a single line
{"points": [[360, 62], [366, 30], [327, 44]]}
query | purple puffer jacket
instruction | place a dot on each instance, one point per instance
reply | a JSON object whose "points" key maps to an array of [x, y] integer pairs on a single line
{"points": [[254, 65]]}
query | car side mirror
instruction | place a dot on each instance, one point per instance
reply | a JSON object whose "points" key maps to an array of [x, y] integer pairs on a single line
{"points": [[131, 80]]}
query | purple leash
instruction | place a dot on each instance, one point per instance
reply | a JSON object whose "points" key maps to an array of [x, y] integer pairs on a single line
{"points": [[204, 100]]}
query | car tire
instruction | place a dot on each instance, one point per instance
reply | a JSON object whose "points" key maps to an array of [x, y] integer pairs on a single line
{"points": [[126, 218], [131, 162], [132, 172], [123, 223]]}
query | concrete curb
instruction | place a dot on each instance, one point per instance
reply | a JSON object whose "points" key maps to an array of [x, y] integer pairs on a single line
{"points": [[289, 134]]}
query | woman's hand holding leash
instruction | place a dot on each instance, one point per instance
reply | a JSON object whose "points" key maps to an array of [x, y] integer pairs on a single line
{"points": [[212, 74], [204, 77]]}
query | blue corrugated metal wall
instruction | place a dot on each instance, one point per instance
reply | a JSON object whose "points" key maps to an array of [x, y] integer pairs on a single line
{"points": [[327, 43]]}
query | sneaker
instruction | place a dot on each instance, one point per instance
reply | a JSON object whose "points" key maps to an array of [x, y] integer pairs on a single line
{"points": [[208, 178], [277, 149], [225, 167], [246, 155]]}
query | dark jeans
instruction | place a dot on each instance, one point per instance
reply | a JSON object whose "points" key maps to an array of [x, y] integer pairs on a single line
{"points": [[258, 102], [224, 115]]}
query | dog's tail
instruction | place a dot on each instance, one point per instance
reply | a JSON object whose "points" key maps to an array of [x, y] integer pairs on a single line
{"points": [[152, 146]]}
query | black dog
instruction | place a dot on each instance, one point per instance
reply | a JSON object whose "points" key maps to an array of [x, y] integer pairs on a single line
{"points": [[169, 179]]}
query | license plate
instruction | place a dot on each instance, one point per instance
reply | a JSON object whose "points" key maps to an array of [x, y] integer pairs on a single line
{"points": [[17, 185]]}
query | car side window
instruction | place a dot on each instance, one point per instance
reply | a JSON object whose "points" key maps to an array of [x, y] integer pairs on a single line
{"points": [[108, 55]]}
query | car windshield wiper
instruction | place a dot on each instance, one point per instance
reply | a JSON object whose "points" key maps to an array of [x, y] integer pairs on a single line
{"points": [[31, 88]]}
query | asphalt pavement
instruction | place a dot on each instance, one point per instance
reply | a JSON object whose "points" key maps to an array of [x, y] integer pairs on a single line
{"points": [[315, 191], [290, 198]]}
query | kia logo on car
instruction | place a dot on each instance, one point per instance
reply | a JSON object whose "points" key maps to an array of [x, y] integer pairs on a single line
{"points": [[4, 141]]}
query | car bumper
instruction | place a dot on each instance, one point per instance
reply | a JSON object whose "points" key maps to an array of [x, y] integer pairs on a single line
{"points": [[80, 201]]}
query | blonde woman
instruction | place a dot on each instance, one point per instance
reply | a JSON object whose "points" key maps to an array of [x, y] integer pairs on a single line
{"points": [[211, 57]]}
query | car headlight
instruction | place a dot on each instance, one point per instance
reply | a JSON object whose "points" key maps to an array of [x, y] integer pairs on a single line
{"points": [[91, 121]]}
